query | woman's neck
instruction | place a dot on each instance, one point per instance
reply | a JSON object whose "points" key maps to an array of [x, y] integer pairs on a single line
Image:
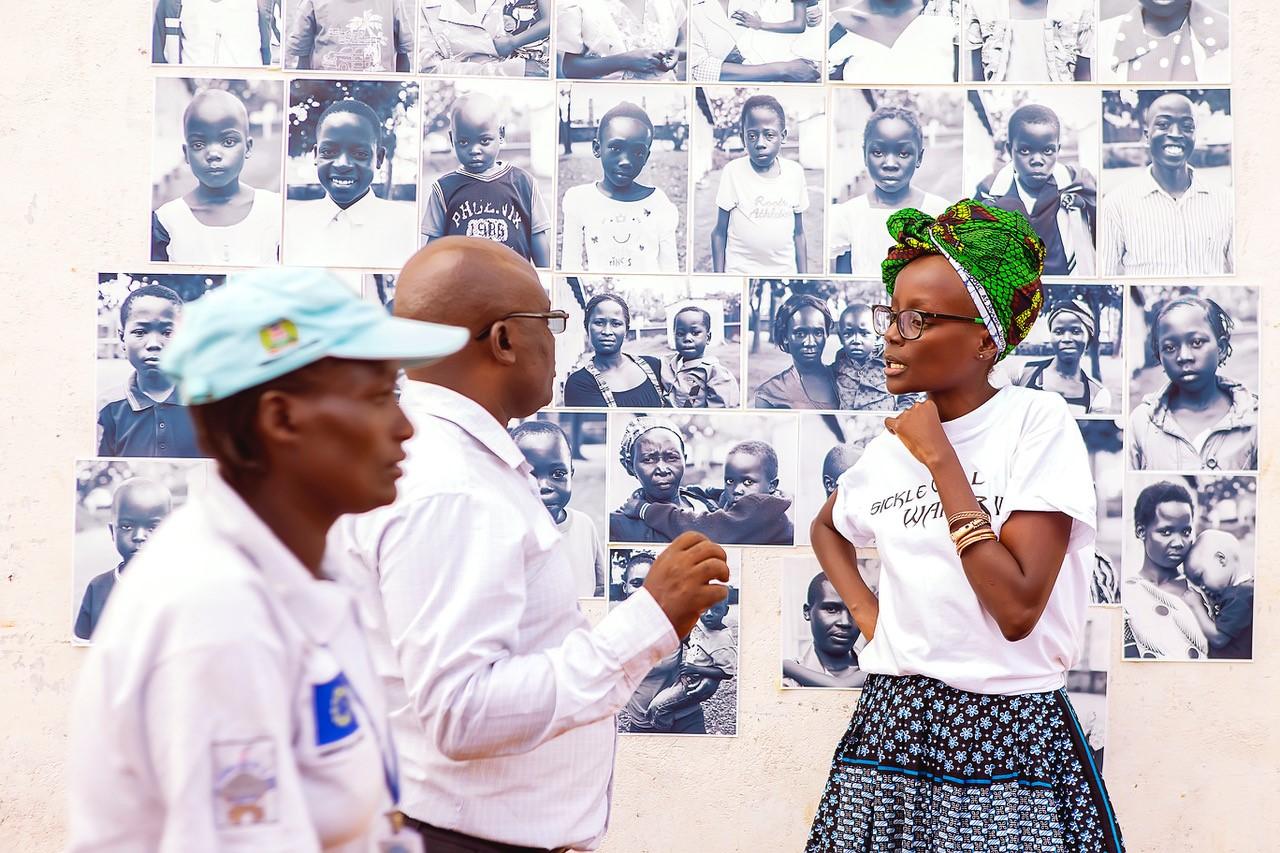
{"points": [[957, 402], [1066, 366], [1157, 574], [1199, 398], [608, 361]]}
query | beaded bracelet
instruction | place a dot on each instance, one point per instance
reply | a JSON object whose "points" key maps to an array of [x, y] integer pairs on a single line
{"points": [[966, 515]]}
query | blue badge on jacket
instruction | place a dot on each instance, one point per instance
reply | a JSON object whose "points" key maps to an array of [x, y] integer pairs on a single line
{"points": [[335, 710]]}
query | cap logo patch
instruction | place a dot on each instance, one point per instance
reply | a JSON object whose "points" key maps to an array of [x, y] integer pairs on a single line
{"points": [[278, 337]]}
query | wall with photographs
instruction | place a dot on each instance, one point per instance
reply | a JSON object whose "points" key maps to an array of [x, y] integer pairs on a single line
{"points": [[700, 231]]}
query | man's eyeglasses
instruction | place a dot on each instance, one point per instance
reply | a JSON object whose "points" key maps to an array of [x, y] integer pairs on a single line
{"points": [[910, 321], [557, 321]]}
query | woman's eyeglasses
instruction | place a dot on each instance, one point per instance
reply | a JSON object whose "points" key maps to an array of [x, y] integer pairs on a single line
{"points": [[557, 321], [910, 321]]}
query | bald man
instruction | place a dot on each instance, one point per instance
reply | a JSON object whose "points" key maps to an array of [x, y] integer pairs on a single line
{"points": [[1169, 220], [487, 197], [838, 460], [502, 694], [137, 508]]}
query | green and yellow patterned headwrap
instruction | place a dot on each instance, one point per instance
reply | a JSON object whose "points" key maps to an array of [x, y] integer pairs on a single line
{"points": [[996, 252]]}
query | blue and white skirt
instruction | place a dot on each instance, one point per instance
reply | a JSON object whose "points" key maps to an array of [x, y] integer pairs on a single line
{"points": [[926, 767]]}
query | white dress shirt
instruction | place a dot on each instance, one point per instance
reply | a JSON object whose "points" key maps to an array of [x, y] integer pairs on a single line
{"points": [[371, 232], [229, 702], [501, 692], [1148, 232]]}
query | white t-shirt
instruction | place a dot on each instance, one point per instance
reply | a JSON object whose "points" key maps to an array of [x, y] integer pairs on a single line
{"points": [[253, 241], [858, 228], [762, 220], [585, 552], [618, 236], [1022, 451], [221, 32]]}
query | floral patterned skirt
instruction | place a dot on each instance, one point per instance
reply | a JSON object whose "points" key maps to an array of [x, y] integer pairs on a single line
{"points": [[926, 767]]}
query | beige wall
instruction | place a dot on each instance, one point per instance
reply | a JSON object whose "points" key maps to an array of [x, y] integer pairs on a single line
{"points": [[1193, 761]]}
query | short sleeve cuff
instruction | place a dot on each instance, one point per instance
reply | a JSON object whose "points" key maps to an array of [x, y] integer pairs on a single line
{"points": [[1084, 519], [638, 634], [842, 515]]}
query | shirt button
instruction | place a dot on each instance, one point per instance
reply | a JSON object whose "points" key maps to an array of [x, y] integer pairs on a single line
{"points": [[162, 425]]}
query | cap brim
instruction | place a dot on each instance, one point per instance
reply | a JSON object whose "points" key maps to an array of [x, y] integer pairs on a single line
{"points": [[412, 342]]}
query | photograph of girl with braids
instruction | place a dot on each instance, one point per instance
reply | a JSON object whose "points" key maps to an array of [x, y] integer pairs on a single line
{"points": [[1193, 352], [730, 477], [879, 165]]}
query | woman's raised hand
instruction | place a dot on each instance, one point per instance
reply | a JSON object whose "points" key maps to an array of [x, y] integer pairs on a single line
{"points": [[919, 428]]}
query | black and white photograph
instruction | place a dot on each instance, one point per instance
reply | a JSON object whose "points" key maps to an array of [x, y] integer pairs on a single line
{"points": [[362, 36], [694, 690], [649, 342], [489, 38], [216, 172], [1195, 370], [812, 346], [759, 164], [567, 452], [1164, 41], [488, 160], [1087, 682], [891, 149], [1104, 439], [893, 41], [1074, 349], [829, 445], [352, 173], [621, 39], [1036, 152], [623, 178], [216, 33], [1168, 206], [1030, 41], [119, 504], [729, 476], [380, 288], [820, 640], [756, 41], [138, 409], [1188, 576]]}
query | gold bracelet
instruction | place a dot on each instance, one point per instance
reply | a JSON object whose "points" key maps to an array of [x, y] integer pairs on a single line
{"points": [[966, 515], [976, 524], [974, 539]]}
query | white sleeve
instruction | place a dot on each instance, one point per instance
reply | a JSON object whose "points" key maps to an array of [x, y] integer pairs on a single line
{"points": [[572, 238], [454, 625], [802, 190], [727, 192], [848, 518]]}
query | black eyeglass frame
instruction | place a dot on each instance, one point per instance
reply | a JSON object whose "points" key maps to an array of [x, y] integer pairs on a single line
{"points": [[895, 318], [562, 316]]}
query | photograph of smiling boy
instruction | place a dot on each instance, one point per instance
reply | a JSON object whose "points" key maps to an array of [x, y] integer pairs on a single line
{"points": [[623, 178], [352, 173], [1191, 390], [138, 410], [1189, 566], [223, 33], [820, 641], [215, 192], [1169, 204], [829, 446], [760, 155], [1165, 41], [488, 159], [891, 149], [1035, 151]]}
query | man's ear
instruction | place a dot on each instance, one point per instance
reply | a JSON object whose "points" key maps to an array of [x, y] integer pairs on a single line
{"points": [[277, 419], [500, 346], [382, 155], [773, 484], [595, 147], [248, 146], [808, 610]]}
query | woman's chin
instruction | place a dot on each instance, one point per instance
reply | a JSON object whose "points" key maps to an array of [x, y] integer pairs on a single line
{"points": [[898, 385]]}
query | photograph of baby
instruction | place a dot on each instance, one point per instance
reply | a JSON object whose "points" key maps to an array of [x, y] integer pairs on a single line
{"points": [[138, 410], [119, 505], [215, 168], [1074, 349], [216, 33], [829, 446], [820, 640], [758, 163], [891, 149], [649, 342], [1104, 439], [621, 39], [694, 690], [893, 41], [729, 476], [623, 178], [1087, 682], [1194, 361], [342, 36], [488, 159], [490, 38], [1165, 41], [1169, 204], [756, 41], [1035, 151], [567, 453], [1188, 578], [352, 173], [1030, 41]]}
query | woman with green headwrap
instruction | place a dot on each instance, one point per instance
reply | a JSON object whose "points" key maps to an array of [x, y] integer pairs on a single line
{"points": [[981, 505]]}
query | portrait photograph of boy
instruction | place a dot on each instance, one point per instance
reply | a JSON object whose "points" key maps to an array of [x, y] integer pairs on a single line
{"points": [[1165, 41], [341, 36], [1030, 41], [216, 172], [488, 160], [893, 41], [221, 33], [891, 149], [352, 173], [623, 178], [759, 156], [693, 690], [820, 640], [756, 41], [487, 38]]}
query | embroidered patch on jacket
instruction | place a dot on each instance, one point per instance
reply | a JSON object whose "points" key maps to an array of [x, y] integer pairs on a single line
{"points": [[244, 783], [335, 711]]}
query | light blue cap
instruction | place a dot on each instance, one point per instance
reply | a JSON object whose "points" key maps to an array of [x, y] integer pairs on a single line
{"points": [[265, 323]]}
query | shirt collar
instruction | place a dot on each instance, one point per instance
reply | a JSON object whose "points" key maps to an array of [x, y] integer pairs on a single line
{"points": [[360, 212], [317, 607], [1149, 185], [437, 401], [139, 401]]}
